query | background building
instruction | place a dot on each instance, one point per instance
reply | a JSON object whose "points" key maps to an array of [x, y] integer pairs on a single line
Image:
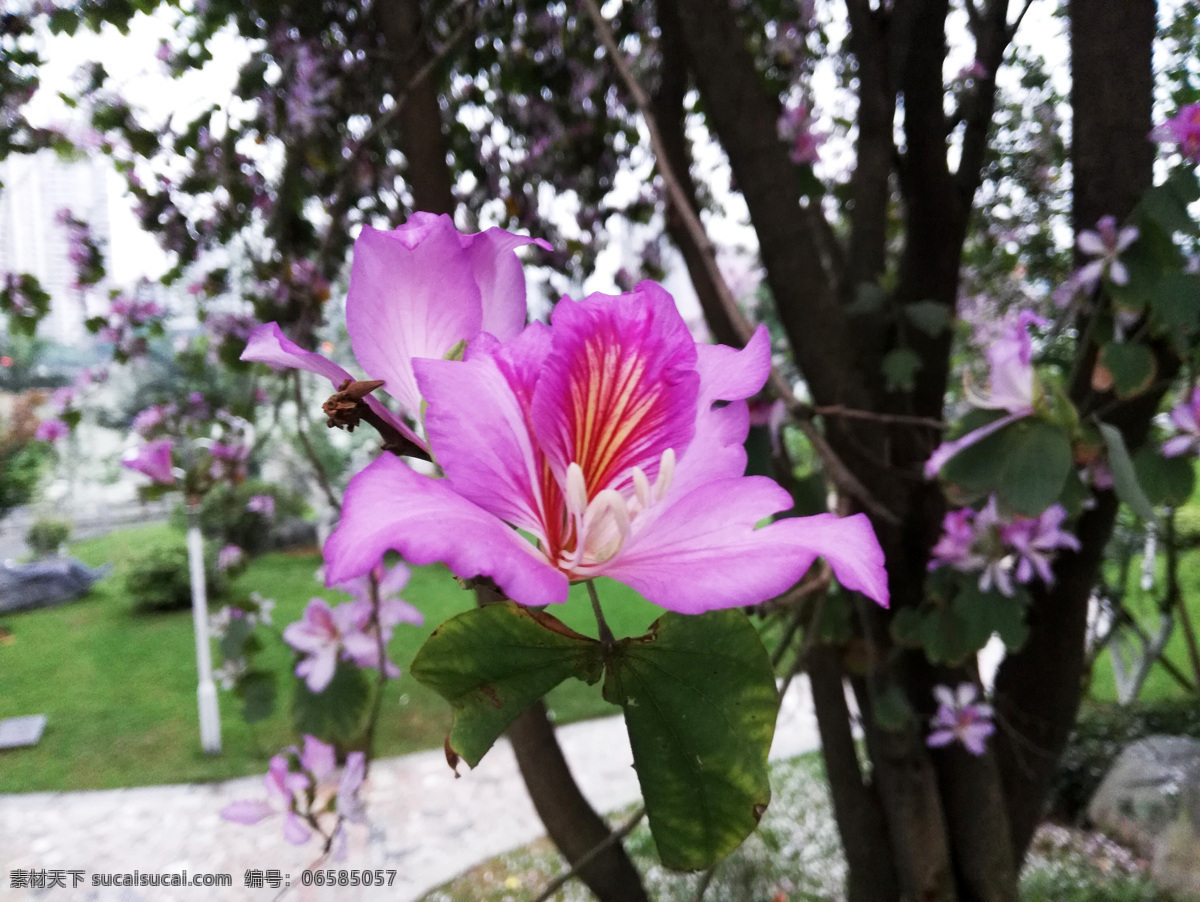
{"points": [[35, 188]]}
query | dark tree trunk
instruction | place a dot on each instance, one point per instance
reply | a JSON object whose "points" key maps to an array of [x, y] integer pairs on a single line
{"points": [[1038, 690], [572, 823], [422, 132], [922, 826]]}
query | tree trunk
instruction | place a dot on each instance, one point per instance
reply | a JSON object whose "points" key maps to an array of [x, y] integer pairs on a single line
{"points": [[422, 132], [1038, 690]]}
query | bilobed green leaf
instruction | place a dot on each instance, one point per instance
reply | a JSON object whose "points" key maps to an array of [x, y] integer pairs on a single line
{"points": [[1026, 464], [1125, 481], [492, 663], [1131, 365], [892, 710], [930, 317], [700, 705], [992, 612], [337, 713], [1165, 480]]}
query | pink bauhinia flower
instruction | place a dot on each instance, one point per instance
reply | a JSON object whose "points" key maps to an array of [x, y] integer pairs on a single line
{"points": [[152, 459], [229, 557], [1183, 130], [415, 292], [600, 438], [1034, 541], [51, 430], [1185, 416], [319, 636], [796, 128], [262, 504], [1002, 548], [307, 796], [960, 719], [1105, 243], [1012, 384]]}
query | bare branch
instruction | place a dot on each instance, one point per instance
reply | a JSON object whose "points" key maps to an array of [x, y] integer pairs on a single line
{"points": [[309, 451]]}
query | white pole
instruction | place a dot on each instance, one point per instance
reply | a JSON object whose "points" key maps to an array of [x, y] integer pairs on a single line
{"points": [[206, 691]]}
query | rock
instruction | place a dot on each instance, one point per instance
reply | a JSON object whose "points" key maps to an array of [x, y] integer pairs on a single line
{"points": [[26, 587], [1140, 796], [1176, 864]]}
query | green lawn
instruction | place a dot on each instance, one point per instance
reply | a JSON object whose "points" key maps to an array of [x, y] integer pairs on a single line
{"points": [[119, 689], [1159, 685]]}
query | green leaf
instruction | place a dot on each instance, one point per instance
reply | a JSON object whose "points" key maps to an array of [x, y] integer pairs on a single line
{"points": [[234, 640], [257, 692], [492, 663], [700, 705], [1165, 480], [930, 317], [338, 713], [1131, 365], [1026, 464], [899, 367], [1175, 299], [1125, 481]]}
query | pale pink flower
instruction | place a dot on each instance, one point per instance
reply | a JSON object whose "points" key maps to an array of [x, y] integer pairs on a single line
{"points": [[1105, 243], [1185, 416], [960, 719]]}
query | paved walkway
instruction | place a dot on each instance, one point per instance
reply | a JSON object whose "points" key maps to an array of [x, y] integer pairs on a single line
{"points": [[425, 825]]}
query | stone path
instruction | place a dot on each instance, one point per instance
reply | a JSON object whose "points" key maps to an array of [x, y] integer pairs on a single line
{"points": [[426, 825]]}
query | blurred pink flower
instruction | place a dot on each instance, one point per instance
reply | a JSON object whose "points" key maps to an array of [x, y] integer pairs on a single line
{"points": [[960, 719]]}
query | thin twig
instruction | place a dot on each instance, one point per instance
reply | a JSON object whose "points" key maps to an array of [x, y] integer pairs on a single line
{"points": [[900, 419], [845, 480], [309, 451], [381, 681], [616, 836]]}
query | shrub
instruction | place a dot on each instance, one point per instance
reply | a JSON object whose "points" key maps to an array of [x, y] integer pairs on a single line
{"points": [[225, 520], [47, 535], [1100, 735], [157, 579]]}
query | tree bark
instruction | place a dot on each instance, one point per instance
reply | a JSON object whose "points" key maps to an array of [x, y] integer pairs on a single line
{"points": [[571, 822], [1038, 690], [422, 131]]}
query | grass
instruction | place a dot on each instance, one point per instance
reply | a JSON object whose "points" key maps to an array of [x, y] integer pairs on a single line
{"points": [[795, 856], [1159, 685], [119, 689]]}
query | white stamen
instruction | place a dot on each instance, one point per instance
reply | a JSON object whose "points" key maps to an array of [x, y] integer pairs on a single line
{"points": [[577, 494], [641, 486], [666, 472], [607, 510]]}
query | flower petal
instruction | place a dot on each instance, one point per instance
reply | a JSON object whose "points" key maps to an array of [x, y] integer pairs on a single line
{"points": [[500, 278], [388, 506], [479, 428], [718, 447], [267, 344], [246, 811], [408, 301], [702, 551], [619, 387]]}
